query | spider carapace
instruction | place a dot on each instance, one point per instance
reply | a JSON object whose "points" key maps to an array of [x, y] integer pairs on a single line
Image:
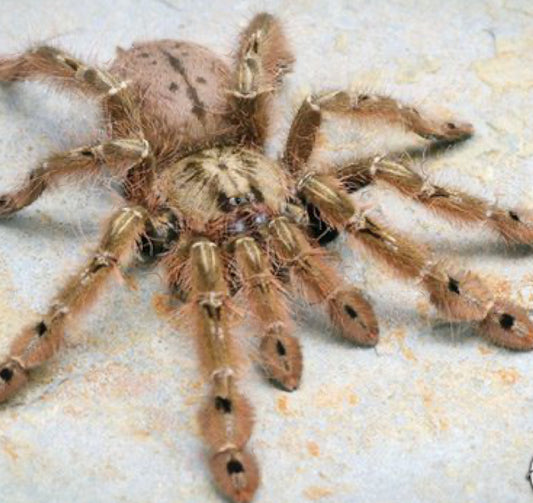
{"points": [[186, 136]]}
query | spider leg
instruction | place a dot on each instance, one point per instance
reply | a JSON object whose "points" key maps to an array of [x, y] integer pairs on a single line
{"points": [[46, 61], [306, 124], [458, 295], [125, 153], [515, 226], [347, 307], [40, 341], [226, 420], [118, 100], [262, 59], [280, 353]]}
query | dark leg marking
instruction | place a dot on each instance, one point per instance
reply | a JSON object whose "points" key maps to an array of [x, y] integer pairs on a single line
{"points": [[41, 328], [223, 404], [453, 286], [234, 466], [6, 374], [350, 311], [280, 348], [506, 321]]}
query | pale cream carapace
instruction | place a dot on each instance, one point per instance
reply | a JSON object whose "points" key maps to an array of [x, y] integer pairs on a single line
{"points": [[186, 138]]}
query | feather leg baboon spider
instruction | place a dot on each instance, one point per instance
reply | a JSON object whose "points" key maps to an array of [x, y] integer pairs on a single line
{"points": [[201, 197]]}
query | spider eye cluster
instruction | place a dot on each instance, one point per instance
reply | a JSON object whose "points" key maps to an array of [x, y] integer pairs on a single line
{"points": [[242, 200]]}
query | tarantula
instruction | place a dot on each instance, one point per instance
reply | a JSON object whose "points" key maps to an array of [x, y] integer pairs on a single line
{"points": [[186, 136]]}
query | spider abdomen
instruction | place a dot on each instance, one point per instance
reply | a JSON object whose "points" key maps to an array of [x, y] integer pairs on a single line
{"points": [[181, 82]]}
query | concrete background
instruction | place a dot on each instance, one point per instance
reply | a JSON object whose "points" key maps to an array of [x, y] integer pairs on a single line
{"points": [[432, 414]]}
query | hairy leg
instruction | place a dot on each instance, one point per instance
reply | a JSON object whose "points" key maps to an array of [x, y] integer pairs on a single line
{"points": [[514, 225], [48, 61], [263, 58], [40, 341], [347, 308], [119, 155], [306, 123], [281, 356], [226, 420], [458, 295]]}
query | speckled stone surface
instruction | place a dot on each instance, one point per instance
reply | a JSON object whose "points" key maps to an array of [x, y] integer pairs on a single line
{"points": [[432, 414]]}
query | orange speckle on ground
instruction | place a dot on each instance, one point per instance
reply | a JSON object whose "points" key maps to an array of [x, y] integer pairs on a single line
{"points": [[353, 399], [9, 449], [73, 411], [315, 493], [443, 424], [408, 353], [427, 398], [69, 368], [281, 405], [433, 410], [399, 334], [508, 376], [313, 449], [335, 398], [484, 350], [142, 434]]}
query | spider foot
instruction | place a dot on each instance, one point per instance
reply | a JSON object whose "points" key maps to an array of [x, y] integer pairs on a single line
{"points": [[7, 206], [354, 316], [509, 326], [236, 474], [33, 347], [12, 378], [281, 358], [461, 296], [451, 132]]}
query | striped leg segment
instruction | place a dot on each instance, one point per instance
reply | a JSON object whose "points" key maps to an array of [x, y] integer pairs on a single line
{"points": [[515, 226], [458, 295], [306, 124], [40, 341], [263, 58], [227, 418], [347, 308], [48, 61], [120, 155], [280, 353]]}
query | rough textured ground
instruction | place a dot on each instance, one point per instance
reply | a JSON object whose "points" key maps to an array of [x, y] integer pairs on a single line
{"points": [[432, 414]]}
